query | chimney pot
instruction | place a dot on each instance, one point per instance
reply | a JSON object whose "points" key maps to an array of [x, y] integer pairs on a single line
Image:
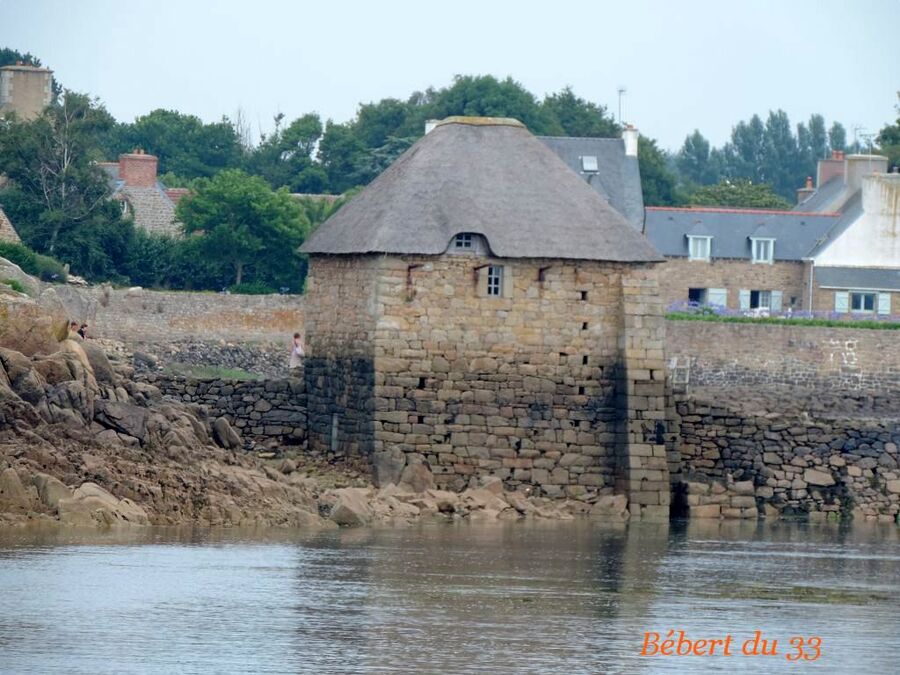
{"points": [[809, 183], [630, 136]]}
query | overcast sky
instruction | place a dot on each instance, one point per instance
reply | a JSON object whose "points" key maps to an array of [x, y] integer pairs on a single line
{"points": [[686, 65]]}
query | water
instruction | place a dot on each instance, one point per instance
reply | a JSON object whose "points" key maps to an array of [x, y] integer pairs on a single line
{"points": [[511, 598]]}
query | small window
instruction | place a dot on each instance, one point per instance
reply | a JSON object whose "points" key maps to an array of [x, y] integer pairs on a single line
{"points": [[760, 300], [697, 295], [698, 247], [463, 241], [589, 163], [763, 250], [495, 280], [862, 302]]}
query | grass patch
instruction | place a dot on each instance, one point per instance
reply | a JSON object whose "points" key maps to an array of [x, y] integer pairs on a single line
{"points": [[209, 372], [14, 284], [779, 321]]}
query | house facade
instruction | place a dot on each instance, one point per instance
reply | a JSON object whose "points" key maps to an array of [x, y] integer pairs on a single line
{"points": [[134, 184], [479, 308]]}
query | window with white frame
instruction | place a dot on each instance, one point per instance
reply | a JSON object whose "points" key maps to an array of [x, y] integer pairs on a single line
{"points": [[763, 250], [699, 247], [495, 280], [760, 299], [463, 241], [697, 295], [862, 302]]}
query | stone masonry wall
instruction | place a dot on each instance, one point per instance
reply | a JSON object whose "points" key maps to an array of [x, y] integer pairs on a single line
{"points": [[521, 387], [267, 412], [677, 275], [140, 315], [832, 359], [742, 460], [339, 369]]}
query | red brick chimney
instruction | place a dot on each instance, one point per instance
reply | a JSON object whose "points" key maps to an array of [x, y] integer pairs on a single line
{"points": [[137, 169], [829, 168], [806, 191]]}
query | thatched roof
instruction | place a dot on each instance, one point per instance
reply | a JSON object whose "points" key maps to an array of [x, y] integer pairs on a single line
{"points": [[488, 176]]}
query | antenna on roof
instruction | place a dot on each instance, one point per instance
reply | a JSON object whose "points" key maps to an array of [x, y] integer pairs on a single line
{"points": [[622, 91]]}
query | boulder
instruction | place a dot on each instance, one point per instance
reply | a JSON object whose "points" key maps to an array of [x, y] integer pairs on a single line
{"points": [[351, 507], [13, 495], [417, 478], [103, 370], [24, 380], [125, 418], [91, 505], [491, 484], [142, 359], [225, 435], [610, 506], [50, 490], [387, 466]]}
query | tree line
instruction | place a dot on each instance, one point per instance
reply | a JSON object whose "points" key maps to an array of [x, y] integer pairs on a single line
{"points": [[57, 195]]}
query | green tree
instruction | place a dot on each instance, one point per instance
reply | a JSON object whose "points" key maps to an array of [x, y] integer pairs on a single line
{"points": [[285, 158], [658, 182], [58, 197], [818, 138], [889, 140], [579, 117], [837, 137], [695, 162], [240, 220], [739, 193], [184, 145]]}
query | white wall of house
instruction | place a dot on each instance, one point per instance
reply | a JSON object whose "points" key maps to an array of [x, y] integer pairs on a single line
{"points": [[874, 239]]}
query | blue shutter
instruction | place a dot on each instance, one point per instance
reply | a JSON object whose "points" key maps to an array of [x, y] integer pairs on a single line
{"points": [[717, 297], [744, 296]]}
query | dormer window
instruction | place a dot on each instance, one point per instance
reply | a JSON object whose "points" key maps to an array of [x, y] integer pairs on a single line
{"points": [[763, 250], [463, 242], [589, 164], [699, 247]]}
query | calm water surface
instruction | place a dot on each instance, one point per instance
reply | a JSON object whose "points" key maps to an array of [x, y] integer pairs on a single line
{"points": [[511, 598]]}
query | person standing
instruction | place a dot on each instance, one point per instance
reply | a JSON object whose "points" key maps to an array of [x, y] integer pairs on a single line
{"points": [[297, 351]]}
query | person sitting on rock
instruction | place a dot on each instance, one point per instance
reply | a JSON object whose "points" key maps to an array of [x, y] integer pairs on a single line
{"points": [[73, 328], [82, 331], [297, 351]]}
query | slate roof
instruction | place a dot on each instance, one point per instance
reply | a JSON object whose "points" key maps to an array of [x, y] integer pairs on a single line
{"points": [[858, 278], [832, 196], [488, 176], [853, 209], [618, 177], [795, 234], [7, 231], [152, 209]]}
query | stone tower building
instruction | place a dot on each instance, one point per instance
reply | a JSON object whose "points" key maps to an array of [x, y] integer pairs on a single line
{"points": [[480, 308], [25, 90]]}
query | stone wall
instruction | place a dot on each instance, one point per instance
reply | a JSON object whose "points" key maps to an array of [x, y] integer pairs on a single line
{"points": [[143, 316], [832, 359], [339, 369], [268, 412], [677, 275], [742, 460]]}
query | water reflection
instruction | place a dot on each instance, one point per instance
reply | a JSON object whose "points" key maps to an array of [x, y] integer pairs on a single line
{"points": [[562, 597]]}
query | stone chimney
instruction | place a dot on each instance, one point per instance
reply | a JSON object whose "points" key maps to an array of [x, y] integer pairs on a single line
{"points": [[137, 169], [857, 166], [829, 168], [806, 191], [630, 136]]}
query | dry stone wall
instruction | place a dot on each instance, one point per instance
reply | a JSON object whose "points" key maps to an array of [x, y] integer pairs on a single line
{"points": [[271, 412], [740, 354], [140, 315], [742, 460]]}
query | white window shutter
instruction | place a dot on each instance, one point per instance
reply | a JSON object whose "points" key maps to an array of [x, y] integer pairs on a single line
{"points": [[776, 301], [841, 302], [482, 282], [717, 296], [884, 303], [506, 286], [744, 296]]}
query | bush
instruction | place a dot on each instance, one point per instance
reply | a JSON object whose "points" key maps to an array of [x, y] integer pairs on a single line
{"points": [[14, 284], [35, 264], [251, 288]]}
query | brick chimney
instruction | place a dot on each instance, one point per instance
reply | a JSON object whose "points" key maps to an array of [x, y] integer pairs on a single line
{"points": [[829, 168], [137, 169], [806, 191]]}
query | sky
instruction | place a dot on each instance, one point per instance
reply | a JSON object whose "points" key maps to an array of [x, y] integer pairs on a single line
{"points": [[685, 65]]}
